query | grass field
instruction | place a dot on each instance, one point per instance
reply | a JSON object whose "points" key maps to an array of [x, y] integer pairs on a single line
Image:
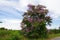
{"points": [[17, 35]]}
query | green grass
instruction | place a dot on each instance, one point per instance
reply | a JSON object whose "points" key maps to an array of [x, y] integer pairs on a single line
{"points": [[51, 36], [13, 35], [17, 35]]}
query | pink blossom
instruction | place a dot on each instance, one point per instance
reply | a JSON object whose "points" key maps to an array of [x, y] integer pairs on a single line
{"points": [[30, 5], [30, 19], [27, 30], [41, 6], [40, 11], [40, 20]]}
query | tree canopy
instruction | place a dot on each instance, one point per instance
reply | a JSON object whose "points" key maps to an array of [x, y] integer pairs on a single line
{"points": [[35, 21]]}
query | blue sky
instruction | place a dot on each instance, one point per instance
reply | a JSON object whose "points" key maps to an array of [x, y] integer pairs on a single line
{"points": [[11, 12]]}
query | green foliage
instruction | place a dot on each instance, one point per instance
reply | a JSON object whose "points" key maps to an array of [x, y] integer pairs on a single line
{"points": [[35, 21], [17, 35], [9, 34], [13, 35], [3, 28], [54, 31]]}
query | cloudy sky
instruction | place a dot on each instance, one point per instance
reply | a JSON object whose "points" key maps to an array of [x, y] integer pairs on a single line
{"points": [[11, 12]]}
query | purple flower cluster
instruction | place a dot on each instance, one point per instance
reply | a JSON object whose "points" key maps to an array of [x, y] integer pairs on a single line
{"points": [[40, 20], [41, 11], [31, 6], [27, 30], [30, 19]]}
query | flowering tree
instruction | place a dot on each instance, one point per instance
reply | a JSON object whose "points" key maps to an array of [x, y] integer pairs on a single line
{"points": [[35, 21]]}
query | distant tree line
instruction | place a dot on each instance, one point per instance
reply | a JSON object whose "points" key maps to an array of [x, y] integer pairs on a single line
{"points": [[54, 31], [3, 28], [1, 22]]}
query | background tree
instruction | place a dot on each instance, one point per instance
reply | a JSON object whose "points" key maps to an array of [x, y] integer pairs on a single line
{"points": [[35, 21], [1, 22]]}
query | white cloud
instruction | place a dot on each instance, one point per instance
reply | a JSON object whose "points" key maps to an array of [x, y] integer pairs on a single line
{"points": [[52, 5], [53, 27], [13, 24], [12, 0], [20, 5]]}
